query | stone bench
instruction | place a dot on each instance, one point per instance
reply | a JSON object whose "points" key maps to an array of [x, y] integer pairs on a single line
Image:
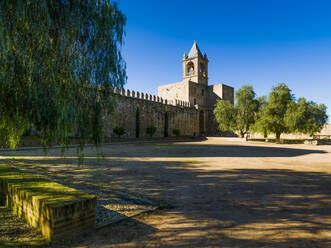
{"points": [[59, 212]]}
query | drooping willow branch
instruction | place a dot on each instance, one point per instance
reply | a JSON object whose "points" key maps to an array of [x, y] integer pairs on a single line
{"points": [[58, 60]]}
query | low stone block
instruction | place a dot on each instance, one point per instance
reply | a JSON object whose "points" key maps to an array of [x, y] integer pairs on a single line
{"points": [[59, 212]]}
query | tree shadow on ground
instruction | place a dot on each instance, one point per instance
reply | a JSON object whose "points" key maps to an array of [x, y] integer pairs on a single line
{"points": [[244, 208], [210, 208], [193, 149]]}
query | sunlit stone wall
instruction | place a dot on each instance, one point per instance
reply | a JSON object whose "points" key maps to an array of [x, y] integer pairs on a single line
{"points": [[132, 107], [57, 211]]}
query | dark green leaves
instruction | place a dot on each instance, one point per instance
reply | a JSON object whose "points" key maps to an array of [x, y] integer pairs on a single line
{"points": [[274, 110], [305, 117], [279, 113], [225, 115], [58, 61], [238, 117]]}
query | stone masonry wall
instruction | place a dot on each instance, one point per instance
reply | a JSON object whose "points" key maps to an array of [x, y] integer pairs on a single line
{"points": [[135, 111], [174, 91], [219, 91]]}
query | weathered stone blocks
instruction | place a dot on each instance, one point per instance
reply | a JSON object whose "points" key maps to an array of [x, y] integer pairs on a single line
{"points": [[135, 114], [59, 212]]}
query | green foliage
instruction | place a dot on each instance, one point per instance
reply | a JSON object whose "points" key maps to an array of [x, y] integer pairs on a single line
{"points": [[271, 116], [238, 117], [151, 130], [259, 125], [225, 115], [119, 131], [58, 62], [38, 187], [305, 117], [246, 107], [176, 132], [281, 113]]}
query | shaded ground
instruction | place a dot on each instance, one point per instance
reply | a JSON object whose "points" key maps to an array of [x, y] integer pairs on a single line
{"points": [[222, 192], [14, 231]]}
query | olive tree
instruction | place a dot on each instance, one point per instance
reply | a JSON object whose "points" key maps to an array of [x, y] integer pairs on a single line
{"points": [[306, 117], [261, 125], [274, 110], [58, 62], [240, 116], [282, 113], [224, 112]]}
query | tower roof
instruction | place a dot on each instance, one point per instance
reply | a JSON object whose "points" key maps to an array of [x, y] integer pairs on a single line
{"points": [[195, 51]]}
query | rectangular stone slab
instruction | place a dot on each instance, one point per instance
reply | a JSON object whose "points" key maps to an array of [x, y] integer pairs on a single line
{"points": [[59, 212]]}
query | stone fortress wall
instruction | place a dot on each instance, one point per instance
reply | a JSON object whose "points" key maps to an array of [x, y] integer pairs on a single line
{"points": [[187, 105], [132, 107], [135, 111]]}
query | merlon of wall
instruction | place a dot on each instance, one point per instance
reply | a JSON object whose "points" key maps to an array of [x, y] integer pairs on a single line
{"points": [[149, 97]]}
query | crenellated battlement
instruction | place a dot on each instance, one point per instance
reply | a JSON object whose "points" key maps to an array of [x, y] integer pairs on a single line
{"points": [[149, 97], [184, 107], [136, 111]]}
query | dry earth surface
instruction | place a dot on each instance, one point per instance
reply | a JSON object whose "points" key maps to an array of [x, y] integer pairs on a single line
{"points": [[221, 192]]}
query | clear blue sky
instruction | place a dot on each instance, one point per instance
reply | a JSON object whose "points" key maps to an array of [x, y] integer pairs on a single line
{"points": [[260, 43]]}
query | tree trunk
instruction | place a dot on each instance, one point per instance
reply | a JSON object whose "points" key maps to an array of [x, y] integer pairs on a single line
{"points": [[278, 138]]}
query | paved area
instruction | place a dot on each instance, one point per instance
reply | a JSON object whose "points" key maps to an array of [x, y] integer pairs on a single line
{"points": [[216, 193]]}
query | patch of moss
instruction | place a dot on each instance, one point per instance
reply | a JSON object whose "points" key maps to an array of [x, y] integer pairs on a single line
{"points": [[39, 188]]}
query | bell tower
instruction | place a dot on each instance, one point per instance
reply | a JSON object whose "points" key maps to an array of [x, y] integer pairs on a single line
{"points": [[195, 66]]}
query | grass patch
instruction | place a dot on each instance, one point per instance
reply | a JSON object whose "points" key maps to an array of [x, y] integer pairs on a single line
{"points": [[38, 188], [56, 210]]}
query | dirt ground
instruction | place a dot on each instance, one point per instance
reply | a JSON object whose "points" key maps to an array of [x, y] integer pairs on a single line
{"points": [[221, 192]]}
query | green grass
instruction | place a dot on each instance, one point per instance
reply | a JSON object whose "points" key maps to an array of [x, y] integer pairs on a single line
{"points": [[43, 190]]}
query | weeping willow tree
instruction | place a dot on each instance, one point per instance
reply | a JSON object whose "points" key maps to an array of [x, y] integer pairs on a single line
{"points": [[58, 61]]}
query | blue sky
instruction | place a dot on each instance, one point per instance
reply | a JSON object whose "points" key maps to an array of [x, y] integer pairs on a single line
{"points": [[260, 43]]}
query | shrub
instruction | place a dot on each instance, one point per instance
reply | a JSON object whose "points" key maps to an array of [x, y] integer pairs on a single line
{"points": [[119, 131], [151, 130], [176, 132]]}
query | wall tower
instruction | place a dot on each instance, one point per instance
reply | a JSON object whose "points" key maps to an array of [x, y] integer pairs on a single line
{"points": [[195, 66], [195, 89]]}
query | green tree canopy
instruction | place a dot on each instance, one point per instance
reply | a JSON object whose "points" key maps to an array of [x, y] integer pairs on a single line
{"points": [[246, 106], [58, 60], [306, 117], [281, 113], [273, 112], [261, 124], [240, 117], [224, 112]]}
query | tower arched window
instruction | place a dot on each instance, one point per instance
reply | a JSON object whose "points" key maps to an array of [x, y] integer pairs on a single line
{"points": [[190, 69]]}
